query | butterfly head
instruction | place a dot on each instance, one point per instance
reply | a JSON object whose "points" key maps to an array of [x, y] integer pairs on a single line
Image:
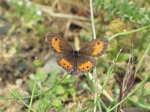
{"points": [[74, 73]]}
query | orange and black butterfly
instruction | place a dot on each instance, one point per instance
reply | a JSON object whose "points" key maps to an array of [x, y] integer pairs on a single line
{"points": [[76, 62]]}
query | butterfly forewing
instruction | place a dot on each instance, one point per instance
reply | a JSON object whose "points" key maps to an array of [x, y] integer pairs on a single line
{"points": [[57, 44], [94, 48]]}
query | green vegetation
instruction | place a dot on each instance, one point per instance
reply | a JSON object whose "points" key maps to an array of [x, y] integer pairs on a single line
{"points": [[120, 80]]}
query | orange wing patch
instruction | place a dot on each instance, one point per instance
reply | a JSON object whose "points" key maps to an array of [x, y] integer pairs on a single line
{"points": [[55, 44], [66, 64], [99, 45], [86, 66]]}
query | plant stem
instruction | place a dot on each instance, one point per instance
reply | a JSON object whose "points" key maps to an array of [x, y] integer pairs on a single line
{"points": [[33, 89], [52, 87], [94, 71], [92, 19], [126, 33], [142, 83], [39, 93], [132, 92], [141, 60], [26, 105]]}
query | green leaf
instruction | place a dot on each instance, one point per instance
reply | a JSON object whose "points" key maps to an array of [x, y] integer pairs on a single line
{"points": [[51, 79], [72, 92], [85, 86], [59, 89], [91, 85], [57, 103], [42, 75], [1, 10], [123, 57]]}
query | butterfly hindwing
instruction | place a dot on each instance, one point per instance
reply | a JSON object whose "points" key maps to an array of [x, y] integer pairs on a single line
{"points": [[66, 61], [85, 64]]}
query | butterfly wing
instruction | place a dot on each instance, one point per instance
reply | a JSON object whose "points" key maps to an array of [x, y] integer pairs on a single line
{"points": [[85, 64], [58, 44], [67, 62], [94, 48], [65, 57], [76, 65]]}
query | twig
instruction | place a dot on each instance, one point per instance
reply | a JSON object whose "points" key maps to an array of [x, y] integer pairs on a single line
{"points": [[94, 72], [48, 10]]}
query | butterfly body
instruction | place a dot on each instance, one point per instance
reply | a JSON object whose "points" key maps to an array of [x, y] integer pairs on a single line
{"points": [[76, 62]]}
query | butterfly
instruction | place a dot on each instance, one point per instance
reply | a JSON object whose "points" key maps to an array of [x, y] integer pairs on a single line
{"points": [[73, 61]]}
